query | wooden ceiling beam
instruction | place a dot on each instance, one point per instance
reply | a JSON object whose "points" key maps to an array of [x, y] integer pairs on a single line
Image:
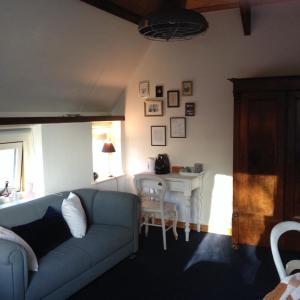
{"points": [[50, 120], [114, 9], [134, 10], [216, 7], [245, 11], [213, 5]]}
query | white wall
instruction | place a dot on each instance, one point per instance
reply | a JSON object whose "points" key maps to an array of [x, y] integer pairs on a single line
{"points": [[64, 56], [38, 179], [67, 156], [58, 157], [209, 60]]}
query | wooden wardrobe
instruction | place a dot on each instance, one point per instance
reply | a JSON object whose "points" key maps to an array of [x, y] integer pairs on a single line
{"points": [[266, 163]]}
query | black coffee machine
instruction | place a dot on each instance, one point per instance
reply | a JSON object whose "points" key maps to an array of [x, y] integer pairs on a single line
{"points": [[162, 164]]}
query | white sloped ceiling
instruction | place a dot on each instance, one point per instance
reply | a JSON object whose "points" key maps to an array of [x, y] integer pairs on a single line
{"points": [[64, 56]]}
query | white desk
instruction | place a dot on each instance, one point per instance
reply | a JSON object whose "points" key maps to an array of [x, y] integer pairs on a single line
{"points": [[186, 185]]}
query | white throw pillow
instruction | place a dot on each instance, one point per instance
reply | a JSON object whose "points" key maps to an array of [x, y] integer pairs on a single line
{"points": [[9, 235], [74, 215]]}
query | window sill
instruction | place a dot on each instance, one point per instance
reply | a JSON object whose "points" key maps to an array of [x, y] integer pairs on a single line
{"points": [[21, 198], [107, 178]]}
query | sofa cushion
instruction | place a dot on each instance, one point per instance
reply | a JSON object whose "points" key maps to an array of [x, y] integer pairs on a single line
{"points": [[75, 256], [74, 215], [102, 240], [57, 268], [46, 233]]}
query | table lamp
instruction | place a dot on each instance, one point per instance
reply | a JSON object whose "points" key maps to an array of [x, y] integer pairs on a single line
{"points": [[109, 148]]}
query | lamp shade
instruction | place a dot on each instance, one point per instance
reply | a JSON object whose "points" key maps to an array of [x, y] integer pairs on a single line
{"points": [[108, 148]]}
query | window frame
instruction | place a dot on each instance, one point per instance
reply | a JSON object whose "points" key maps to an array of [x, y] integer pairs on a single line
{"points": [[18, 146]]}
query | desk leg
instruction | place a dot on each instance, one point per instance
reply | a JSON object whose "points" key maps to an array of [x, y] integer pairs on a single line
{"points": [[199, 209], [199, 204], [187, 203]]}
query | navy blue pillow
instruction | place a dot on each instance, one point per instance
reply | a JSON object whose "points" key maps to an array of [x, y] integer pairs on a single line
{"points": [[45, 234]]}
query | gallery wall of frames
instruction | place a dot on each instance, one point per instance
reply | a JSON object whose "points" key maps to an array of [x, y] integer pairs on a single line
{"points": [[154, 106]]}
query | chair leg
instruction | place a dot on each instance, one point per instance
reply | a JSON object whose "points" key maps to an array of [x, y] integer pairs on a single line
{"points": [[175, 225], [163, 227], [146, 225]]}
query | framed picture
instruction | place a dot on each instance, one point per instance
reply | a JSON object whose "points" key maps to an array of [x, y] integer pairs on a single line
{"points": [[190, 109], [153, 108], [159, 91], [178, 127], [158, 135], [187, 88], [144, 89], [173, 99]]}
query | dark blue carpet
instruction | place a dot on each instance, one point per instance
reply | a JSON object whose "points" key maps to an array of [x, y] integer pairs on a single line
{"points": [[205, 268]]}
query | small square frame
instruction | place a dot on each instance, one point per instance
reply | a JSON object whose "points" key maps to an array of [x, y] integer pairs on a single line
{"points": [[173, 98], [187, 88], [159, 91], [178, 127], [190, 109], [144, 89], [158, 135], [153, 108]]}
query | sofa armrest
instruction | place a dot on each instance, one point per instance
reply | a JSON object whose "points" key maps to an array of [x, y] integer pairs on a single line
{"points": [[13, 271]]}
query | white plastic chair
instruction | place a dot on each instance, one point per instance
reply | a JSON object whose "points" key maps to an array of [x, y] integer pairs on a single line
{"points": [[276, 232], [152, 189]]}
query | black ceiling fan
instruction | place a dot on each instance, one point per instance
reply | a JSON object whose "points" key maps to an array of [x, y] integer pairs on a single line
{"points": [[172, 23]]}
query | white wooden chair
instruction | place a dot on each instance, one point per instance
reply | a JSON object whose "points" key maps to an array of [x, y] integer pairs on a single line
{"points": [[152, 189], [276, 232]]}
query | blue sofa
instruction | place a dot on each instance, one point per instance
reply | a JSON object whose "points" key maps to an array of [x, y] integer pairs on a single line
{"points": [[112, 235]]}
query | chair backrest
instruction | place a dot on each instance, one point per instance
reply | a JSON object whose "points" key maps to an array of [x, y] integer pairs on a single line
{"points": [[151, 186], [276, 232]]}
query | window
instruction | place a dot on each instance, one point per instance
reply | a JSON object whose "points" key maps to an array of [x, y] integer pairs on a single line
{"points": [[11, 164], [105, 164]]}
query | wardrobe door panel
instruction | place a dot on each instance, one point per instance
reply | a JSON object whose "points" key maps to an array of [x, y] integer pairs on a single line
{"points": [[292, 207], [259, 166]]}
